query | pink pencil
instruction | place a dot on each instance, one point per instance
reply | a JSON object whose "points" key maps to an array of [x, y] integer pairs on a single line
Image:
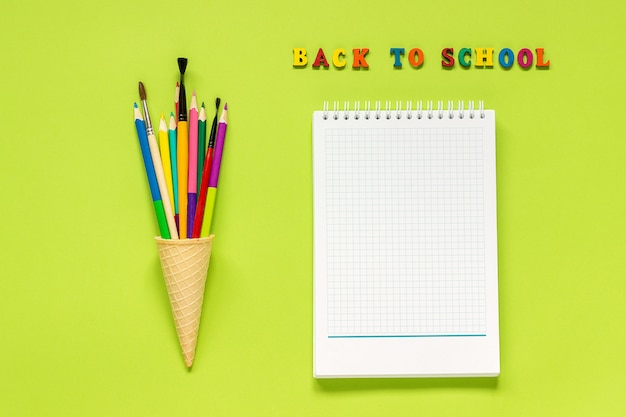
{"points": [[192, 182]]}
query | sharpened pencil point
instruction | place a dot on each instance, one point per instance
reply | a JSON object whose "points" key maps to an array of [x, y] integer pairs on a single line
{"points": [[135, 105], [142, 91], [226, 106]]}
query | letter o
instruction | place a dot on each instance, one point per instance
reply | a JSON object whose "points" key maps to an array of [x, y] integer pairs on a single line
{"points": [[413, 53], [526, 55], [506, 58]]}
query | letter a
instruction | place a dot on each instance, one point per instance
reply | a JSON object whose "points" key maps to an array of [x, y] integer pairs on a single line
{"points": [[320, 59]]}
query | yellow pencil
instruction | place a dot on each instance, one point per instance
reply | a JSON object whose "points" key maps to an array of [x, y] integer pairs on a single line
{"points": [[164, 145]]}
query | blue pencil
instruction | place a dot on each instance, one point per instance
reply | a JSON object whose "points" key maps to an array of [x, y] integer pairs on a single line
{"points": [[152, 181]]}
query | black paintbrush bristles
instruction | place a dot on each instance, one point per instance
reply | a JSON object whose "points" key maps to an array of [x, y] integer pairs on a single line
{"points": [[214, 125], [182, 66], [182, 102]]}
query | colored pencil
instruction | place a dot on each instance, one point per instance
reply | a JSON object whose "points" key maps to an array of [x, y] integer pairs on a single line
{"points": [[192, 180], [215, 172], [201, 144], [164, 147], [183, 152], [206, 171], [171, 133], [158, 165], [176, 97], [152, 181]]}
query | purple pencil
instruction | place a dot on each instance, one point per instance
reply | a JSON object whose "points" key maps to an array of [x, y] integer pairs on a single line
{"points": [[215, 172], [192, 181]]}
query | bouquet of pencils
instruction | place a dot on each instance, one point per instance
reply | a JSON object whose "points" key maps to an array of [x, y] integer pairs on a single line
{"points": [[183, 170]]}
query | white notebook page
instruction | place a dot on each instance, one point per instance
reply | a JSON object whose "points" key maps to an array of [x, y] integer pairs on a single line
{"points": [[405, 245]]}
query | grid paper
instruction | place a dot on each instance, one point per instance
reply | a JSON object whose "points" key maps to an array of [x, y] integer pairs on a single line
{"points": [[405, 232]]}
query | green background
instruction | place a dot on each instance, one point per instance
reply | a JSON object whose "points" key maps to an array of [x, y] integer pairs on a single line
{"points": [[85, 325]]}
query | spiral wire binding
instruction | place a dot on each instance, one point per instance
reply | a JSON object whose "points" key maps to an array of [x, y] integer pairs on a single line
{"points": [[387, 109], [430, 111]]}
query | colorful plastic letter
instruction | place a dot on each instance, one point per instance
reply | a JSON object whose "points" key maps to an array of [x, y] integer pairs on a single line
{"points": [[484, 57], [525, 58], [448, 57], [320, 59], [420, 57], [299, 57], [540, 62], [337, 61], [462, 54], [396, 53], [506, 58], [359, 58]]}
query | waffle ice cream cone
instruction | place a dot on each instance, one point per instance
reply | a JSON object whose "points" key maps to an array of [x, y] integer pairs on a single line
{"points": [[185, 264]]}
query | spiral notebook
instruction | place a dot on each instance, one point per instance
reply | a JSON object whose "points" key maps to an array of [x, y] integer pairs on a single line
{"points": [[405, 243]]}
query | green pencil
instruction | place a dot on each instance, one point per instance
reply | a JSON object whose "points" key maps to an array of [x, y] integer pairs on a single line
{"points": [[201, 143]]}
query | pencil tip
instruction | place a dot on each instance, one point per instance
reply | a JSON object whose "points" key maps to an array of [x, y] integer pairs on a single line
{"points": [[217, 103], [142, 91], [226, 106], [136, 106], [182, 65]]}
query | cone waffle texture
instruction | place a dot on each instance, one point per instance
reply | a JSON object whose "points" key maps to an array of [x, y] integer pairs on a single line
{"points": [[185, 264]]}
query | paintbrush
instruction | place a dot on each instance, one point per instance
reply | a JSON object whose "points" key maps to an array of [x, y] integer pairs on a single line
{"points": [[158, 165], [183, 153]]}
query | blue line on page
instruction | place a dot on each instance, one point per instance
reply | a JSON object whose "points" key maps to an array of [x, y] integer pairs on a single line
{"points": [[404, 336]]}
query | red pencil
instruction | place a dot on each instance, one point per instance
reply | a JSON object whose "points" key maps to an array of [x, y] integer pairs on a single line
{"points": [[206, 171]]}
